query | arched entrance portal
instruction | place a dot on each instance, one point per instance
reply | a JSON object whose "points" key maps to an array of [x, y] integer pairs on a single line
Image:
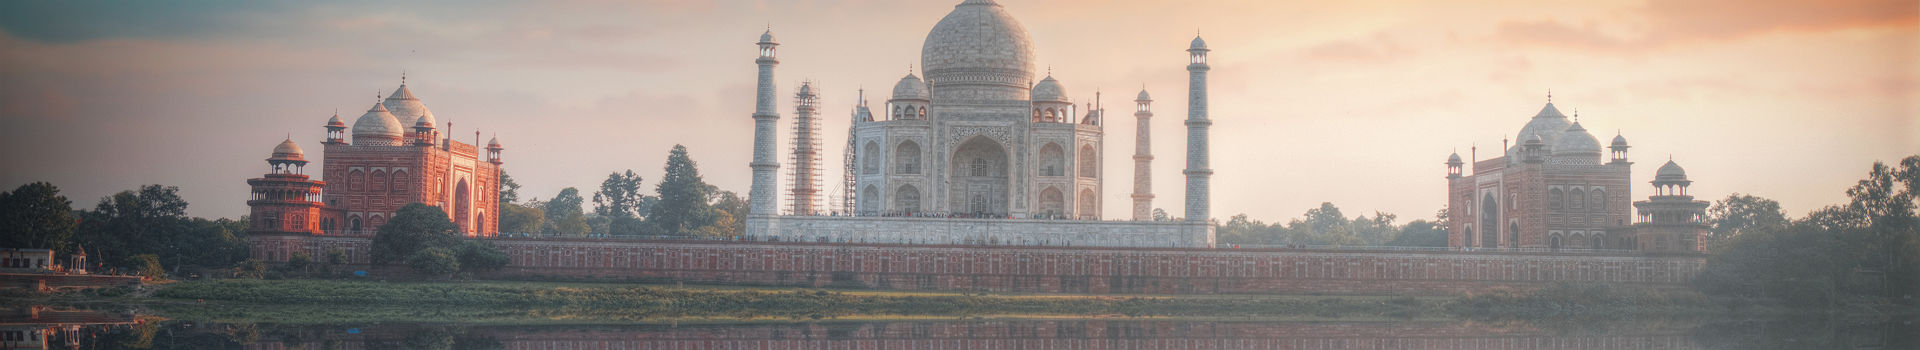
{"points": [[462, 205], [1489, 221], [979, 178]]}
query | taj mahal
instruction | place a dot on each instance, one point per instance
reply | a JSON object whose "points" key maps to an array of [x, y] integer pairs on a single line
{"points": [[977, 151]]}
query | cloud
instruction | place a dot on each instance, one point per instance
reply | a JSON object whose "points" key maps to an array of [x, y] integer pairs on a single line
{"points": [[1687, 22], [1375, 49]]}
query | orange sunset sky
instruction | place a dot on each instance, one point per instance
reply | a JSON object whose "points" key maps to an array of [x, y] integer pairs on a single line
{"points": [[1352, 102]]}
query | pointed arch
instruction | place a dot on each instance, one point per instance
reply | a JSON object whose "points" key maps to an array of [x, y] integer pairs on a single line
{"points": [[1599, 199], [1576, 199], [1089, 205], [906, 199], [1554, 197], [906, 157], [870, 158], [1513, 235], [1089, 162], [1489, 220], [463, 206], [356, 180], [1053, 160], [979, 178], [379, 181], [869, 200], [1053, 203], [400, 181]]}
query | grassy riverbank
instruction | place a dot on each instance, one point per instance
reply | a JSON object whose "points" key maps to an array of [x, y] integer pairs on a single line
{"points": [[314, 301]]}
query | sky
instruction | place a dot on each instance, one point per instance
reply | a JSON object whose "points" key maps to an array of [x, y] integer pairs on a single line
{"points": [[1357, 103]]}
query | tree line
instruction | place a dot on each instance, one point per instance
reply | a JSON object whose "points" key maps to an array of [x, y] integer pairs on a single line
{"points": [[1326, 225], [145, 230], [681, 204]]}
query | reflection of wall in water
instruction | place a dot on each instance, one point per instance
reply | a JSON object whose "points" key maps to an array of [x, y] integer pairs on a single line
{"points": [[1043, 335]]}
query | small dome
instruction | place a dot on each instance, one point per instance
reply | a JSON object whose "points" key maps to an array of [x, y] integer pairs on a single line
{"points": [[910, 88], [335, 121], [767, 37], [806, 89], [1535, 140], [494, 142], [1143, 96], [1619, 141], [1198, 44], [378, 128], [1671, 172], [1454, 159], [287, 150], [1549, 124], [407, 108], [1049, 90], [1576, 141]]}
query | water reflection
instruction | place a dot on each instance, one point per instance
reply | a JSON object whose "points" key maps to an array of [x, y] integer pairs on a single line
{"points": [[79, 329]]}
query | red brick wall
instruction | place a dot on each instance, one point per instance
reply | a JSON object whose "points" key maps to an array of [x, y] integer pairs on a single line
{"points": [[1077, 269]]}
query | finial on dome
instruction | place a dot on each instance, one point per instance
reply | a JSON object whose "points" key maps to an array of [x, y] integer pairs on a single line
{"points": [[403, 77], [1550, 97]]}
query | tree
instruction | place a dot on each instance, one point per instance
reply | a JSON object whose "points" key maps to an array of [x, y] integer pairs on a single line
{"points": [[436, 261], [734, 213], [150, 266], [1886, 200], [517, 218], [1420, 233], [509, 190], [477, 255], [35, 215], [1740, 213], [619, 196], [564, 216], [414, 227], [298, 261], [1241, 229], [145, 221], [683, 207]]}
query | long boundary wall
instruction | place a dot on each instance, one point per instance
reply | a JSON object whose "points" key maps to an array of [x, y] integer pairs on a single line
{"points": [[1043, 269], [1078, 269]]}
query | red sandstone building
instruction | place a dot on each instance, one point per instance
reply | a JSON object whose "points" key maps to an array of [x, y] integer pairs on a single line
{"points": [[387, 165], [1551, 191]]}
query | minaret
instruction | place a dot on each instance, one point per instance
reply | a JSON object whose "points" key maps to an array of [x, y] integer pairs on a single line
{"points": [[861, 114], [806, 151], [762, 195], [1142, 159], [1197, 171]]}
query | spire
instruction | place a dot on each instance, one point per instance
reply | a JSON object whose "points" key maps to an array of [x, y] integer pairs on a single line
{"points": [[1549, 95]]}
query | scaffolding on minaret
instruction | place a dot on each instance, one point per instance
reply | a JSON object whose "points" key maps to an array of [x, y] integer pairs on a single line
{"points": [[848, 186], [806, 172]]}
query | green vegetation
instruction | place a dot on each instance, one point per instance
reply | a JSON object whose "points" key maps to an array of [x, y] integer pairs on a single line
{"points": [[620, 204], [1833, 257], [144, 231], [422, 237], [685, 206], [1326, 225], [35, 215], [564, 217]]}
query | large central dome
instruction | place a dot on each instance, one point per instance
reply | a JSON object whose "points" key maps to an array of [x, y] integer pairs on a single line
{"points": [[979, 46]]}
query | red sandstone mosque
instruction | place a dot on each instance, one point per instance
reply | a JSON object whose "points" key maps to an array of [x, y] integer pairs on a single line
{"points": [[1552, 192], [387, 165]]}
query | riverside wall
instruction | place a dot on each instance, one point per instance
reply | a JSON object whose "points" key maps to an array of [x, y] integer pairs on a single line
{"points": [[1095, 270]]}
